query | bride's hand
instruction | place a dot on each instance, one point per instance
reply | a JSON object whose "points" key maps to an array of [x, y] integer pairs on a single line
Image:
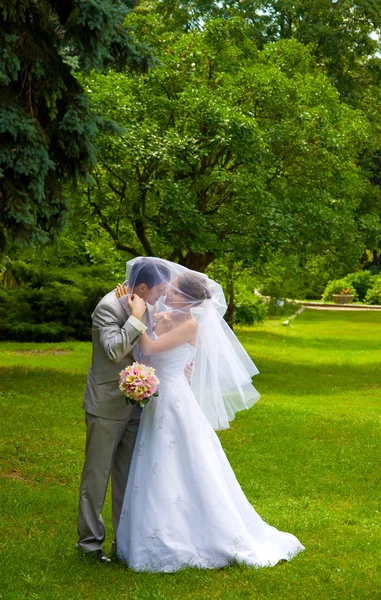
{"points": [[162, 321], [121, 290]]}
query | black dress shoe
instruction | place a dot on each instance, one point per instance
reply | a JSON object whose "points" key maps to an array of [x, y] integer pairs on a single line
{"points": [[98, 556]]}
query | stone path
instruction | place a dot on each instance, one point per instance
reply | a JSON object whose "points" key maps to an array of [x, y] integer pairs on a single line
{"points": [[320, 306]]}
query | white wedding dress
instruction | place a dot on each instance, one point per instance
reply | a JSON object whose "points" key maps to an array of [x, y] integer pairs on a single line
{"points": [[183, 505]]}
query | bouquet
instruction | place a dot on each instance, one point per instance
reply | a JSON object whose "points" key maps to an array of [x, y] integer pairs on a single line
{"points": [[138, 383]]}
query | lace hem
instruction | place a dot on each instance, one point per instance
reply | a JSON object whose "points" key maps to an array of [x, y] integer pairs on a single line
{"points": [[199, 561]]}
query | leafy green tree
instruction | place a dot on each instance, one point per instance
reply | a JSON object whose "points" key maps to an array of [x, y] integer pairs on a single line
{"points": [[343, 36], [228, 151], [46, 123]]}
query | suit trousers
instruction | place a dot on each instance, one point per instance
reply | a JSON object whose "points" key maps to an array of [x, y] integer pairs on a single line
{"points": [[109, 447]]}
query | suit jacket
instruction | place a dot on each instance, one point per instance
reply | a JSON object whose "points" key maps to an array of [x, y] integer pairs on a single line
{"points": [[113, 340]]}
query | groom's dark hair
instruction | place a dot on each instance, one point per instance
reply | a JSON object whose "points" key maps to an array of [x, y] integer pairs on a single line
{"points": [[150, 272]]}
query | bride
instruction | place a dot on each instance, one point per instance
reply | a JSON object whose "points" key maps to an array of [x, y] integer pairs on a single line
{"points": [[183, 505]]}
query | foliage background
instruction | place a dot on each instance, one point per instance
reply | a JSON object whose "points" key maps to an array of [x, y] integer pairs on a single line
{"points": [[238, 137]]}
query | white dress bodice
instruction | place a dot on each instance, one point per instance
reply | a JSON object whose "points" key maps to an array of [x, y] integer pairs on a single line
{"points": [[171, 363]]}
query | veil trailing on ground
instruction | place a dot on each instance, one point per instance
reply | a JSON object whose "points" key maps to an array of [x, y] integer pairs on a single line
{"points": [[222, 371]]}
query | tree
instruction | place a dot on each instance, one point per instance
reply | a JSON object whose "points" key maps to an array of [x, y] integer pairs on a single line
{"points": [[228, 150], [343, 36], [47, 126]]}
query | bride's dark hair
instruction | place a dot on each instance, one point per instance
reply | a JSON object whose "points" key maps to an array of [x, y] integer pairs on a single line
{"points": [[194, 286]]}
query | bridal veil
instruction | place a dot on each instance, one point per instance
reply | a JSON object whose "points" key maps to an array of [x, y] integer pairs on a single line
{"points": [[222, 372]]}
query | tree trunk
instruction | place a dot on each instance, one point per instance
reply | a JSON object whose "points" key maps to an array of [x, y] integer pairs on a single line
{"points": [[197, 262], [231, 306]]}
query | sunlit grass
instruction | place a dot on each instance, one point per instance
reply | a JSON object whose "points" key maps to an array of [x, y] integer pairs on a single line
{"points": [[307, 456]]}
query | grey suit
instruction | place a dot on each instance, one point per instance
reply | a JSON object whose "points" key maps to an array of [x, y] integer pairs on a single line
{"points": [[112, 425]]}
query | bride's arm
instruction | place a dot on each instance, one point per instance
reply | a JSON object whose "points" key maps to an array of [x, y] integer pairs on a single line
{"points": [[185, 332]]}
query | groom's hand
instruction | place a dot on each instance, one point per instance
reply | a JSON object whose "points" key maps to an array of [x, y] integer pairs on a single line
{"points": [[137, 306]]}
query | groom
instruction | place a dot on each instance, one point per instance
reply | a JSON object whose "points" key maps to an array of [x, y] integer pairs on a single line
{"points": [[112, 425]]}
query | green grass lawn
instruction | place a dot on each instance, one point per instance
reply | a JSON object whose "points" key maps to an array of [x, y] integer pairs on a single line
{"points": [[307, 456]]}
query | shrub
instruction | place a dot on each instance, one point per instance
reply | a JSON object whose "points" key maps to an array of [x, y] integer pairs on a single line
{"points": [[250, 310], [35, 332], [279, 307], [361, 281], [50, 305], [373, 295], [358, 284], [336, 286]]}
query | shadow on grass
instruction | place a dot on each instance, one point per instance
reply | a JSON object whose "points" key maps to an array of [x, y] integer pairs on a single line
{"points": [[272, 338], [276, 376], [281, 377], [28, 379]]}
